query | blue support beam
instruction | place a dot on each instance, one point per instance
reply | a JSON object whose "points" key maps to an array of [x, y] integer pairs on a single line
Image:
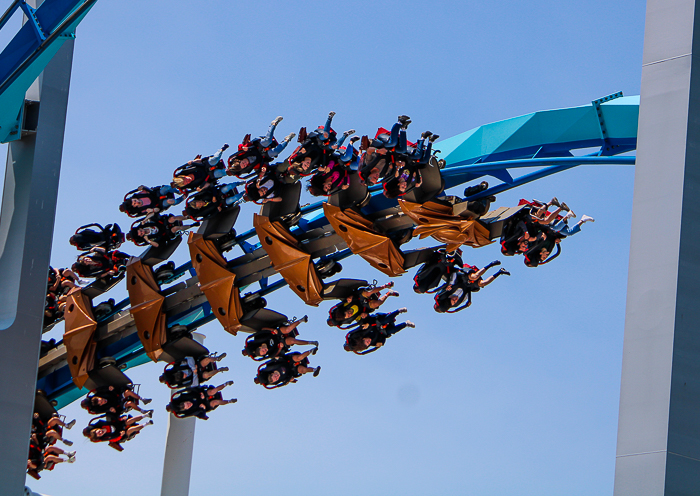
{"points": [[32, 20], [30, 50]]}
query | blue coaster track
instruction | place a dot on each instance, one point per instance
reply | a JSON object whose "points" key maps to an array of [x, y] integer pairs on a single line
{"points": [[549, 142]]}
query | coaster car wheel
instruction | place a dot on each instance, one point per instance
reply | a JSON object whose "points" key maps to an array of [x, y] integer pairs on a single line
{"points": [[292, 219], [328, 268], [404, 236], [253, 302], [227, 242], [165, 272], [324, 266], [103, 309], [177, 332], [106, 362], [335, 270]]}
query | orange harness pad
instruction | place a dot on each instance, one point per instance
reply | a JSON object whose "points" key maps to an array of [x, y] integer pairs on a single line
{"points": [[362, 239]]}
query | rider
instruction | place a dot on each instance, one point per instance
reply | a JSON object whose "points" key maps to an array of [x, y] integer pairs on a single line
{"points": [[271, 343], [212, 200], [145, 200], [359, 304], [199, 173], [99, 263], [197, 401], [285, 369], [109, 237], [440, 265], [461, 285], [113, 399], [158, 229], [256, 154], [374, 331], [191, 371]]}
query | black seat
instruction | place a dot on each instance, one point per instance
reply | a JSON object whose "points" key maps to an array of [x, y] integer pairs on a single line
{"points": [[157, 254], [101, 286], [433, 184], [257, 319], [417, 257], [182, 347], [495, 219], [287, 210], [356, 195], [342, 288], [43, 406], [220, 224], [107, 375]]}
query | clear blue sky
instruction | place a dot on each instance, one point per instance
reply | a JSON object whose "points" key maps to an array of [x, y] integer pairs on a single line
{"points": [[518, 395]]}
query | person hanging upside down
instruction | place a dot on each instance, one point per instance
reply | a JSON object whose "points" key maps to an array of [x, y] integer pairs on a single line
{"points": [[257, 154], [197, 401], [316, 149], [281, 371], [54, 433], [213, 200], [115, 430], [86, 238], [145, 200], [461, 285], [199, 173], [405, 179], [264, 189], [378, 161], [61, 281], [191, 371], [158, 229], [374, 331], [359, 304], [537, 233], [439, 266], [46, 459], [113, 399], [98, 263], [330, 179], [271, 343]]}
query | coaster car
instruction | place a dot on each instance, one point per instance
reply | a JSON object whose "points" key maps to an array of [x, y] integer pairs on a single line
{"points": [[85, 237]]}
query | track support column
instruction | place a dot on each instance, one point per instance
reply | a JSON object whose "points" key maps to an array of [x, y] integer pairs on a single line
{"points": [[177, 463], [26, 232], [658, 443]]}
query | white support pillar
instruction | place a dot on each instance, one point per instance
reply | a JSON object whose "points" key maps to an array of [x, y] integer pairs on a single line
{"points": [[177, 463], [658, 440]]}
